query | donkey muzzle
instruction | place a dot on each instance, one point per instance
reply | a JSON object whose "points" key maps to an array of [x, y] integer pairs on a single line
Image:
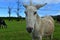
{"points": [[29, 29]]}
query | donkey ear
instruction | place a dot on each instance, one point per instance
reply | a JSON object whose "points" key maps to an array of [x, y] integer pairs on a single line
{"points": [[37, 6], [40, 5], [25, 5]]}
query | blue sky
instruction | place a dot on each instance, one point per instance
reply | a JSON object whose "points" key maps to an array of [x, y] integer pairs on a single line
{"points": [[52, 7]]}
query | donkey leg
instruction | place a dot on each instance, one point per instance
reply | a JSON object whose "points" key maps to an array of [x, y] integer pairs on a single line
{"points": [[40, 37], [47, 37], [51, 37], [33, 38]]}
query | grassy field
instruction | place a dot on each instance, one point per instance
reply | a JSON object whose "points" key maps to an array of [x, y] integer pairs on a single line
{"points": [[17, 31]]}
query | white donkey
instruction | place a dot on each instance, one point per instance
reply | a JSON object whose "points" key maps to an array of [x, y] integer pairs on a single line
{"points": [[37, 26]]}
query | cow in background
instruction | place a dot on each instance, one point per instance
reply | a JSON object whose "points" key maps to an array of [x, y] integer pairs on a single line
{"points": [[2, 23]]}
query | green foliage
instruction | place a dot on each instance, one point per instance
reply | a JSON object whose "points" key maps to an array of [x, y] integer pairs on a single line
{"points": [[13, 18], [17, 31], [57, 18]]}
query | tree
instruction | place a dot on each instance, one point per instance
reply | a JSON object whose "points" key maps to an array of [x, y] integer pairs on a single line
{"points": [[9, 12], [18, 9]]}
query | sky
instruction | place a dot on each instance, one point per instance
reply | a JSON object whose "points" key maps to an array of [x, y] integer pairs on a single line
{"points": [[52, 7]]}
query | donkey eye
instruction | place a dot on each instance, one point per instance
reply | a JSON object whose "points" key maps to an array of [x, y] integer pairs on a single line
{"points": [[35, 13], [25, 12]]}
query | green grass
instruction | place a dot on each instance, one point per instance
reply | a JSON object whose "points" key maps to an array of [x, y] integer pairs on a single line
{"points": [[57, 31], [17, 31]]}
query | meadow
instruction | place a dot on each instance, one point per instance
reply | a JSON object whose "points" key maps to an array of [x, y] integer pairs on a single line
{"points": [[16, 30]]}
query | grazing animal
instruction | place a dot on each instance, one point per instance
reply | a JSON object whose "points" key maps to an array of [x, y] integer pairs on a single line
{"points": [[2, 24], [37, 26]]}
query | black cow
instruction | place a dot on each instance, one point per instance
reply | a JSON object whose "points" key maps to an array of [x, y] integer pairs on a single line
{"points": [[3, 24]]}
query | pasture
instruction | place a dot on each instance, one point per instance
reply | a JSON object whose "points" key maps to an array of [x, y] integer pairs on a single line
{"points": [[17, 31]]}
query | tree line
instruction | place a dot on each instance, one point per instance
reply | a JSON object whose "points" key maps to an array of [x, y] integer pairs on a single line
{"points": [[57, 18], [13, 18]]}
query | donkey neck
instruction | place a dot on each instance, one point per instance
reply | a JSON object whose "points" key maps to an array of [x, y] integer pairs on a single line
{"points": [[37, 23], [37, 26]]}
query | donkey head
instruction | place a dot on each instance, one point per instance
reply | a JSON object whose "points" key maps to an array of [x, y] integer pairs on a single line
{"points": [[31, 13]]}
